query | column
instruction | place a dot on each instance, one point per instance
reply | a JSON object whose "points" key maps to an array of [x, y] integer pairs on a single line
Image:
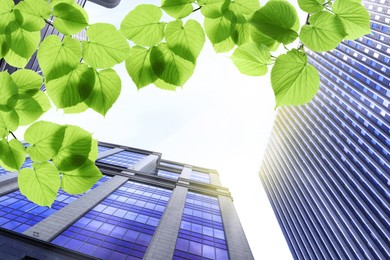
{"points": [[235, 237], [163, 242], [53, 225]]}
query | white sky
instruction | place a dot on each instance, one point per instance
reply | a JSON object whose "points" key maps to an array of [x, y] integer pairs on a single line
{"points": [[220, 120]]}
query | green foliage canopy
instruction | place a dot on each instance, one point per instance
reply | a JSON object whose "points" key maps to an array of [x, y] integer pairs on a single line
{"points": [[78, 74]]}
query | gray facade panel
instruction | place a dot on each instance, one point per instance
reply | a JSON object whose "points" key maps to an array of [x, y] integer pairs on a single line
{"points": [[163, 242]]}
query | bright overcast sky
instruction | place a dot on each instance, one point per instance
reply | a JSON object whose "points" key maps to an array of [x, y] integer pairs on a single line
{"points": [[220, 120]]}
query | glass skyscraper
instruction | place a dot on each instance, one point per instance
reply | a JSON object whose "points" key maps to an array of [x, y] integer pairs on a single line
{"points": [[326, 169], [144, 207]]}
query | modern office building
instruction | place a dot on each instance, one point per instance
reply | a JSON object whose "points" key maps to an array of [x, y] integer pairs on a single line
{"points": [[327, 165], [143, 208]]}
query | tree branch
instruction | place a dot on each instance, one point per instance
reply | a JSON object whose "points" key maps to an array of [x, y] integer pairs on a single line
{"points": [[307, 19], [48, 22], [13, 135], [197, 9]]}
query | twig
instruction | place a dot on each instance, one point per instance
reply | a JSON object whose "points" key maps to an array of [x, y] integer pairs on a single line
{"points": [[13, 135], [197, 9]]}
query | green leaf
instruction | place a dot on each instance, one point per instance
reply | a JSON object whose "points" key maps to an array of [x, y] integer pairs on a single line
{"points": [[108, 42], [70, 18], [8, 91], [186, 41], [354, 17], [82, 179], [244, 7], [28, 109], [224, 46], [42, 99], [9, 120], [27, 81], [93, 154], [242, 32], [40, 184], [220, 28], [74, 150], [13, 154], [79, 108], [45, 139], [170, 67], [214, 8], [6, 6], [142, 25], [252, 59], [177, 8], [34, 12], [163, 85], [58, 58], [22, 45], [7, 15], [277, 20], [3, 126], [261, 38], [294, 81], [311, 6], [3, 45], [324, 33], [73, 88], [105, 92], [139, 67]]}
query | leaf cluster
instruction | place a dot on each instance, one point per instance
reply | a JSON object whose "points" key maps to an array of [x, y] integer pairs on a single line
{"points": [[77, 67]]}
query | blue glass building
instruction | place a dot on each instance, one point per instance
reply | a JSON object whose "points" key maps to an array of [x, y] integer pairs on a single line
{"points": [[326, 169], [143, 208]]}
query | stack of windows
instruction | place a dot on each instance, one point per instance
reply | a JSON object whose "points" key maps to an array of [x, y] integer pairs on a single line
{"points": [[124, 159], [103, 148], [168, 174], [18, 214], [120, 226], [26, 164], [326, 168], [171, 165], [200, 176], [201, 234]]}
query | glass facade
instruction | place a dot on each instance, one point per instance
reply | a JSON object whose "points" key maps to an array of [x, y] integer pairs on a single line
{"points": [[18, 214], [123, 159], [171, 165], [168, 174], [326, 168], [102, 148], [200, 176], [201, 234], [26, 164], [121, 226]]}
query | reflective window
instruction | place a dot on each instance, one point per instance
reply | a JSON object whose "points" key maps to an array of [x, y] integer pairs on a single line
{"points": [[103, 148], [200, 176], [18, 214], [123, 159], [26, 164], [171, 165], [168, 174], [120, 226], [201, 234]]}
